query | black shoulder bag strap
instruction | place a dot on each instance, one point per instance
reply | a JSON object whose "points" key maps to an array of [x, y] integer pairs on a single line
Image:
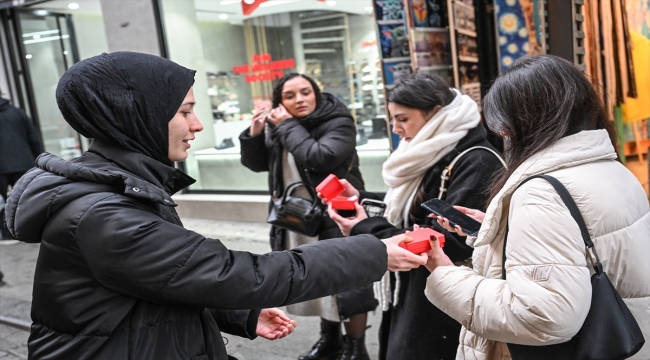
{"points": [[566, 350]]}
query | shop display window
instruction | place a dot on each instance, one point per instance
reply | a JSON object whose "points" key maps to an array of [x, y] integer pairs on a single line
{"points": [[238, 59]]}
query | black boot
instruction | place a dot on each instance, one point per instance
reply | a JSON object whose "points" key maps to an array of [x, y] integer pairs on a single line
{"points": [[329, 344], [353, 349]]}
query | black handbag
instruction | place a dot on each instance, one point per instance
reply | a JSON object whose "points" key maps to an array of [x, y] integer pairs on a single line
{"points": [[296, 214], [609, 332]]}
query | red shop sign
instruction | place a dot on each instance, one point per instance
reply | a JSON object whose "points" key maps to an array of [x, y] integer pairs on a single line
{"points": [[263, 68]]}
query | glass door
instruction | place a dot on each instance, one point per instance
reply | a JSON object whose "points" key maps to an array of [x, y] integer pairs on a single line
{"points": [[45, 49]]}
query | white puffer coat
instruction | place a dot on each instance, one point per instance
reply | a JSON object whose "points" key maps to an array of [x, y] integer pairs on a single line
{"points": [[547, 294]]}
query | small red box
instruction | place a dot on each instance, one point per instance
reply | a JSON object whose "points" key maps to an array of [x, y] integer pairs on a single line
{"points": [[330, 188], [343, 203], [421, 239]]}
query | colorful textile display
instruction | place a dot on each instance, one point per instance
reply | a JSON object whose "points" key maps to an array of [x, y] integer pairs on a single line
{"points": [[517, 30]]}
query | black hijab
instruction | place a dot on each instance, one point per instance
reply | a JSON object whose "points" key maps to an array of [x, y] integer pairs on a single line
{"points": [[125, 98]]}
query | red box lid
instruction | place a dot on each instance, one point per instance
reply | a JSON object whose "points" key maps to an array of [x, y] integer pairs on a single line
{"points": [[330, 188]]}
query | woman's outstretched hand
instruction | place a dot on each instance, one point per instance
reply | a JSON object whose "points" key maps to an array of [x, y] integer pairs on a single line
{"points": [[437, 257], [346, 224], [400, 259], [477, 215], [274, 324]]}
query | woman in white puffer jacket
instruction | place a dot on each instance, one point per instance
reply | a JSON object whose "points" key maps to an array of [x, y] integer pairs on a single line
{"points": [[553, 122]]}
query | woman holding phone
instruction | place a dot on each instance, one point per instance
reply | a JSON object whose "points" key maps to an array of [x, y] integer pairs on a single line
{"points": [[306, 136], [554, 123], [436, 124]]}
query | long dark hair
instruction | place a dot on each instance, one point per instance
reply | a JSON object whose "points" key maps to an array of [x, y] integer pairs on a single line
{"points": [[422, 92], [277, 89], [536, 102]]}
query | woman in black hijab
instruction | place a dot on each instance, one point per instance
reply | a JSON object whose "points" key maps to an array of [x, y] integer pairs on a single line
{"points": [[117, 275]]}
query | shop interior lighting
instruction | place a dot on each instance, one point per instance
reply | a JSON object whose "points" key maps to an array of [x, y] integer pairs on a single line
{"points": [[44, 39], [276, 2], [368, 8], [46, 32], [65, 52], [41, 12], [73, 6], [223, 16], [229, 2], [28, 56], [331, 3], [36, 37]]}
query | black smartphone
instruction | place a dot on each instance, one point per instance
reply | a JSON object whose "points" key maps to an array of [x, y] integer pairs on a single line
{"points": [[455, 217], [373, 208]]}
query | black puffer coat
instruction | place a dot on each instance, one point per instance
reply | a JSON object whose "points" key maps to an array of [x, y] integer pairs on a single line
{"points": [[322, 143], [415, 329], [118, 277], [19, 140]]}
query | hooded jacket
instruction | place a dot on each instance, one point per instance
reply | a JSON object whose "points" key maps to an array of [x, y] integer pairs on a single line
{"points": [[118, 277], [20, 143], [547, 292]]}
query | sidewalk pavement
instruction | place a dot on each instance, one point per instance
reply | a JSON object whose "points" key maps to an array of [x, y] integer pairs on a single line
{"points": [[17, 262]]}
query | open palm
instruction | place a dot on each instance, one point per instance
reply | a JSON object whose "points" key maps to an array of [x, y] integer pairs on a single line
{"points": [[274, 324]]}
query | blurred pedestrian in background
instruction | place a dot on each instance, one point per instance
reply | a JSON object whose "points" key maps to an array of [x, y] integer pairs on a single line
{"points": [[20, 144]]}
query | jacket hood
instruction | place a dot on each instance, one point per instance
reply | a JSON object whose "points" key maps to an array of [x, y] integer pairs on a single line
{"points": [[4, 104], [55, 182], [329, 108], [126, 98]]}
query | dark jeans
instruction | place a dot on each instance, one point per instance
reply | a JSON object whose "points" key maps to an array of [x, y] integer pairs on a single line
{"points": [[5, 181]]}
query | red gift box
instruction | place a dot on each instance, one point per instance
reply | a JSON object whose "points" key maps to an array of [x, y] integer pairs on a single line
{"points": [[343, 203], [330, 188], [421, 239]]}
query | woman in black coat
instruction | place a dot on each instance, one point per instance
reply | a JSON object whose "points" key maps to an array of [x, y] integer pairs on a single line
{"points": [[311, 135], [436, 124], [117, 275]]}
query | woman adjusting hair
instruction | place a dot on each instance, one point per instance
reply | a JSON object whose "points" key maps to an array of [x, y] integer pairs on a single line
{"points": [[310, 135], [117, 275]]}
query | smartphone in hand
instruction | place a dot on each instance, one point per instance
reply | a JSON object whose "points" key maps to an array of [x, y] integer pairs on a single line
{"points": [[455, 217], [373, 208]]}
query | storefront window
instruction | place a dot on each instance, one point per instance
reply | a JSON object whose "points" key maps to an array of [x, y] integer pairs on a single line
{"points": [[238, 58], [50, 37]]}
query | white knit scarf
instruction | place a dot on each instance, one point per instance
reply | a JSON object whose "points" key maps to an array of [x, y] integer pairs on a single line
{"points": [[406, 166]]}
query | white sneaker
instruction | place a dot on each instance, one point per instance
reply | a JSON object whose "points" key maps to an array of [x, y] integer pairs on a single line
{"points": [[9, 242]]}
